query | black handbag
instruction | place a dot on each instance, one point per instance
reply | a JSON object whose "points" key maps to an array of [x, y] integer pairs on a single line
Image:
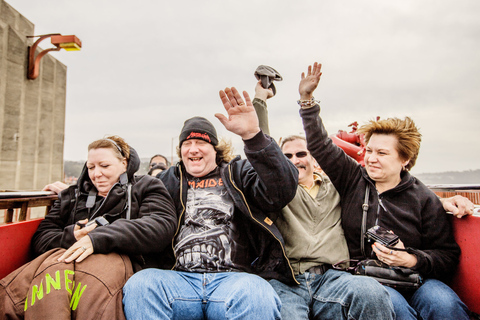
{"points": [[401, 278]]}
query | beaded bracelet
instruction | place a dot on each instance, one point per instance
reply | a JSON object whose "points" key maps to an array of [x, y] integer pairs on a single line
{"points": [[305, 104]]}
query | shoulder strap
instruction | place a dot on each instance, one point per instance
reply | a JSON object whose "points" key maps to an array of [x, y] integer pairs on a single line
{"points": [[364, 220], [129, 201]]}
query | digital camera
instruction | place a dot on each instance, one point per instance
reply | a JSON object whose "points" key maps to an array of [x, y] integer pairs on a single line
{"points": [[382, 236]]}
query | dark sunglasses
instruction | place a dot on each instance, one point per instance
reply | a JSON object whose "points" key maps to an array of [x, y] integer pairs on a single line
{"points": [[301, 154]]}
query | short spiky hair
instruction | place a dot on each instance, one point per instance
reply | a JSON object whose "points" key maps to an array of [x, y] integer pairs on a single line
{"points": [[407, 134]]}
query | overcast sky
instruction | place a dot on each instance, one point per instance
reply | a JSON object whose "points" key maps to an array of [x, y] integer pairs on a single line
{"points": [[146, 66]]}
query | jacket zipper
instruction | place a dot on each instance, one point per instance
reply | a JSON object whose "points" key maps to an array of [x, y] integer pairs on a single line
{"points": [[104, 200], [96, 211], [179, 218]]}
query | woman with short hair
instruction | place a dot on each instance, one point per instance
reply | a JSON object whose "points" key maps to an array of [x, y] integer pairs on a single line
{"points": [[396, 201]]}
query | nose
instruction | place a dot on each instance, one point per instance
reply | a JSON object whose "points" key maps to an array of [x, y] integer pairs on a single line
{"points": [[193, 148], [98, 172], [371, 158], [295, 160]]}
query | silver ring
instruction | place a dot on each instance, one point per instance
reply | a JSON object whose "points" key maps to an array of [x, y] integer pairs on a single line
{"points": [[84, 248]]}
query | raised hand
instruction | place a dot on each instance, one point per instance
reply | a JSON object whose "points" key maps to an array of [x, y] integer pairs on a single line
{"points": [[242, 118], [309, 83]]}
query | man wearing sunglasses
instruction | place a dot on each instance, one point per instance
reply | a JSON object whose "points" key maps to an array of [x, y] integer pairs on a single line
{"points": [[311, 227]]}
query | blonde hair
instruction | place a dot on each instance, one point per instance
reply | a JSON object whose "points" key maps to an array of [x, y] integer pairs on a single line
{"points": [[224, 151], [407, 134], [120, 148]]}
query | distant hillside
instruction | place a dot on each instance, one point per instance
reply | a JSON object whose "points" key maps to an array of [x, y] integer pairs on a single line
{"points": [[450, 177], [73, 168]]}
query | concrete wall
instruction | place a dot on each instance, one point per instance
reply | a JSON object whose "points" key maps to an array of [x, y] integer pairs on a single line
{"points": [[32, 112]]}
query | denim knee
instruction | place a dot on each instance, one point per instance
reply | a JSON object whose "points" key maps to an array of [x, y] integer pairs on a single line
{"points": [[354, 297], [256, 289], [139, 280], [434, 299], [248, 296]]}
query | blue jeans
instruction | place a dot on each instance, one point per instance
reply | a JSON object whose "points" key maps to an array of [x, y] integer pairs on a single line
{"points": [[166, 294], [433, 300], [334, 295]]}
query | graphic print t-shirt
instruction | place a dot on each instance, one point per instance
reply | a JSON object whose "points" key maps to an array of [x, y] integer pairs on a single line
{"points": [[210, 240]]}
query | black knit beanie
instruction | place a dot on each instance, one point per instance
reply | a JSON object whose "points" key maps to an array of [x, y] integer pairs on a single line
{"points": [[198, 128]]}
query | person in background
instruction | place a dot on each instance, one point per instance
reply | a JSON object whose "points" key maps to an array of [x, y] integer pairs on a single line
{"points": [[158, 159], [225, 236], [81, 267], [397, 201]]}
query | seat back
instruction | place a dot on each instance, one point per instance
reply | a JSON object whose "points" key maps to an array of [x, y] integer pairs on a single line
{"points": [[466, 281], [15, 241]]}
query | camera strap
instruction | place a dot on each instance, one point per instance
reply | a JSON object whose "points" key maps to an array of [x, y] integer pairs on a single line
{"points": [[364, 225], [364, 220]]}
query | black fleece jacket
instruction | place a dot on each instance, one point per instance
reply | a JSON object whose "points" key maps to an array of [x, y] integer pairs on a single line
{"points": [[150, 228], [410, 210]]}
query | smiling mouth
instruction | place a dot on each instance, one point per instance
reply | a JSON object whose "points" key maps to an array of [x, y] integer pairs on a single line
{"points": [[195, 159], [301, 166]]}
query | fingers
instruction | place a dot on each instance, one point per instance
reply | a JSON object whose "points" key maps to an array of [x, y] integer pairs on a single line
{"points": [[458, 206], [235, 97], [383, 253], [247, 98], [225, 100], [449, 207], [231, 98], [55, 187], [377, 247], [77, 225], [76, 252], [82, 232], [262, 93], [317, 69], [222, 118]]}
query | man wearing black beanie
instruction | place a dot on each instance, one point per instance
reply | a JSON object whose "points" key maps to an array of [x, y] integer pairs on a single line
{"points": [[225, 236], [198, 128]]}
